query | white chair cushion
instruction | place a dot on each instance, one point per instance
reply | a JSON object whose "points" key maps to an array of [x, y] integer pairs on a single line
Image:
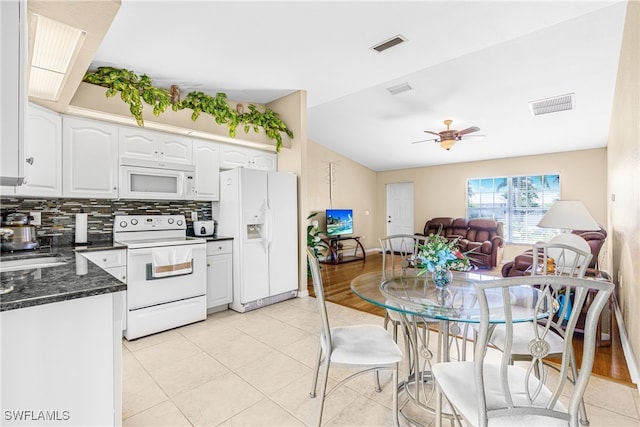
{"points": [[522, 335], [364, 345], [456, 380]]}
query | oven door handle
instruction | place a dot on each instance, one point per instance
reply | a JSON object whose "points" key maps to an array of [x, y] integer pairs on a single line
{"points": [[149, 273]]}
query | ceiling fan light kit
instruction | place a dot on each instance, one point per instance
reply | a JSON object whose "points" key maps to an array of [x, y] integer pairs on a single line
{"points": [[447, 138]]}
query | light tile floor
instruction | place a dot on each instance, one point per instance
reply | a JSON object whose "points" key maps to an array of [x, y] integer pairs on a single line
{"points": [[254, 369]]}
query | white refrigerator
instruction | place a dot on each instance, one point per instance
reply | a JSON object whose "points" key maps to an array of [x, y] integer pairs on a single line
{"points": [[259, 210]]}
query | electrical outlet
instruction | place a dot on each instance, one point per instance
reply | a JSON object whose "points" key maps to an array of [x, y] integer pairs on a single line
{"points": [[194, 216], [37, 218]]}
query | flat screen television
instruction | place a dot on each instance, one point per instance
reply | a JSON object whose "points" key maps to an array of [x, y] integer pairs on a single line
{"points": [[339, 222]]}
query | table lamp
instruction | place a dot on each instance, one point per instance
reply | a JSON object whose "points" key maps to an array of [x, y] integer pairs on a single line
{"points": [[569, 215]]}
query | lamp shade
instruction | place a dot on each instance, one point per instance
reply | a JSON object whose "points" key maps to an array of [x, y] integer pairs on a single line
{"points": [[569, 215]]}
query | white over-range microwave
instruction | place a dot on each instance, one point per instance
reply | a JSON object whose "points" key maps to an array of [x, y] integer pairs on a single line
{"points": [[140, 179]]}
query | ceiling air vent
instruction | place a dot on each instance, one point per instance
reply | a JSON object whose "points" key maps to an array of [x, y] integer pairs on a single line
{"points": [[393, 41], [394, 90], [552, 105]]}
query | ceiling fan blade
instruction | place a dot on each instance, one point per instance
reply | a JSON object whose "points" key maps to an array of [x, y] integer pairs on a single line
{"points": [[433, 133], [425, 140], [474, 136], [469, 130]]}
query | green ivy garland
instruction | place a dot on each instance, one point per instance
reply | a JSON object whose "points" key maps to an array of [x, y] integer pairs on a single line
{"points": [[135, 89]]}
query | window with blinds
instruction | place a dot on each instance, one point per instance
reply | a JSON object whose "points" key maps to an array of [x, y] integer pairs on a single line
{"points": [[519, 202]]}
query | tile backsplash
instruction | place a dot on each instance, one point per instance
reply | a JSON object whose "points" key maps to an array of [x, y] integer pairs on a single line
{"points": [[58, 215]]}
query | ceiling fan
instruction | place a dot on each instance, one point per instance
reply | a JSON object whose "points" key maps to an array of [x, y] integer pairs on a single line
{"points": [[447, 138]]}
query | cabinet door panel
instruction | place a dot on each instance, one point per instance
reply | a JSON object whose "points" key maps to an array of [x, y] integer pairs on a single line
{"points": [[90, 158], [43, 154], [265, 161], [219, 280], [137, 144], [175, 149], [206, 156], [233, 157]]}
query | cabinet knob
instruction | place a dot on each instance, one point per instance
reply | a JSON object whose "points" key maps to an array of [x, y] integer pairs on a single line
{"points": [[208, 265], [115, 188], [29, 160], [104, 260]]}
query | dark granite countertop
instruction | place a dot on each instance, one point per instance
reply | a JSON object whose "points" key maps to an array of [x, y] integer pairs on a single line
{"points": [[215, 239], [32, 287]]}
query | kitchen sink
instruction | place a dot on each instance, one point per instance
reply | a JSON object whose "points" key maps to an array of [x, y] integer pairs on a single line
{"points": [[31, 263]]}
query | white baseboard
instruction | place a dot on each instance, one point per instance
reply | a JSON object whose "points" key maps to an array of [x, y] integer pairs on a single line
{"points": [[632, 362], [303, 293]]}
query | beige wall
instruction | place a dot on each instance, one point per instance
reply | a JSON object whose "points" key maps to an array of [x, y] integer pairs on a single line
{"points": [[292, 109], [441, 190], [352, 186], [624, 180]]}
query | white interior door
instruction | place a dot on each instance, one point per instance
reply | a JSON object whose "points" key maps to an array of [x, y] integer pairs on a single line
{"points": [[399, 208]]}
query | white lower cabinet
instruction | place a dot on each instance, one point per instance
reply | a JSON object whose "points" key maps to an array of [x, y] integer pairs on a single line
{"points": [[113, 261], [62, 363], [219, 274]]}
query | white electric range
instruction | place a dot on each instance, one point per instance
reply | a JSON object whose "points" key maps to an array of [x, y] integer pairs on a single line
{"points": [[166, 273]]}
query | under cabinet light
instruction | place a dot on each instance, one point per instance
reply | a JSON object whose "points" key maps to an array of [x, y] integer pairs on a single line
{"points": [[55, 48]]}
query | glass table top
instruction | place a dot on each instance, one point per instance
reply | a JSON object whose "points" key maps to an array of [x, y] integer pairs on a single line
{"points": [[415, 295]]}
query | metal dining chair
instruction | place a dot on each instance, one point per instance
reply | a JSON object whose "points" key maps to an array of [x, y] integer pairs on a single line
{"points": [[398, 259], [559, 260], [498, 393], [363, 348]]}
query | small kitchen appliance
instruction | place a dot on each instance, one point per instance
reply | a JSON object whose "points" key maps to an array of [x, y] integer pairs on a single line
{"points": [[205, 228], [24, 233], [166, 273]]}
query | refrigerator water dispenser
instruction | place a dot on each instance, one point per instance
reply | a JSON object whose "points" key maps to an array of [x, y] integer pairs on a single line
{"points": [[254, 231]]}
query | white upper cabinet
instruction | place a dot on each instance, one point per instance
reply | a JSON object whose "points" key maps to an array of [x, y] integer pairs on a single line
{"points": [[206, 156], [90, 159], [234, 156], [14, 41], [141, 144], [42, 154]]}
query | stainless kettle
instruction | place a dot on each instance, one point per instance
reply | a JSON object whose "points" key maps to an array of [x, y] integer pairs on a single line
{"points": [[23, 236]]}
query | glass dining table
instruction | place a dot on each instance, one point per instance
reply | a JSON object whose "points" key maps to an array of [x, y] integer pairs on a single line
{"points": [[449, 312]]}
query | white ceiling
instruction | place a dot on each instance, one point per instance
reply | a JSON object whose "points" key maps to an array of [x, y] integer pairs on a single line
{"points": [[475, 62]]}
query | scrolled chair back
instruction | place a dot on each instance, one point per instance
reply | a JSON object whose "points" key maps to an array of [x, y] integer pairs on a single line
{"points": [[398, 254], [517, 391]]}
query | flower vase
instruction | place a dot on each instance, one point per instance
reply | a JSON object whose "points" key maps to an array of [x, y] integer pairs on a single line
{"points": [[442, 278]]}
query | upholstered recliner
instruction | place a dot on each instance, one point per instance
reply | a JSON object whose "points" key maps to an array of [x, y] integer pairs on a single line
{"points": [[437, 225], [448, 227], [521, 263], [482, 236], [483, 241]]}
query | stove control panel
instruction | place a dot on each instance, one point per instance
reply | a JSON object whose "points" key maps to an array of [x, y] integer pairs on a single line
{"points": [[149, 222]]}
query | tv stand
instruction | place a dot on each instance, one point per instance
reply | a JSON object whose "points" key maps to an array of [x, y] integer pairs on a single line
{"points": [[339, 252]]}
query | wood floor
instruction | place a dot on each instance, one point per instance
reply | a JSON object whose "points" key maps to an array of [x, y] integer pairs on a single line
{"points": [[609, 361]]}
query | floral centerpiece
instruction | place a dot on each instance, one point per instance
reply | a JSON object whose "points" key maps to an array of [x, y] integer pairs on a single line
{"points": [[439, 256]]}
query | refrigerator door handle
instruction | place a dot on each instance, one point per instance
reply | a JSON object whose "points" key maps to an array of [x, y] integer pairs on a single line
{"points": [[267, 232], [266, 236]]}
